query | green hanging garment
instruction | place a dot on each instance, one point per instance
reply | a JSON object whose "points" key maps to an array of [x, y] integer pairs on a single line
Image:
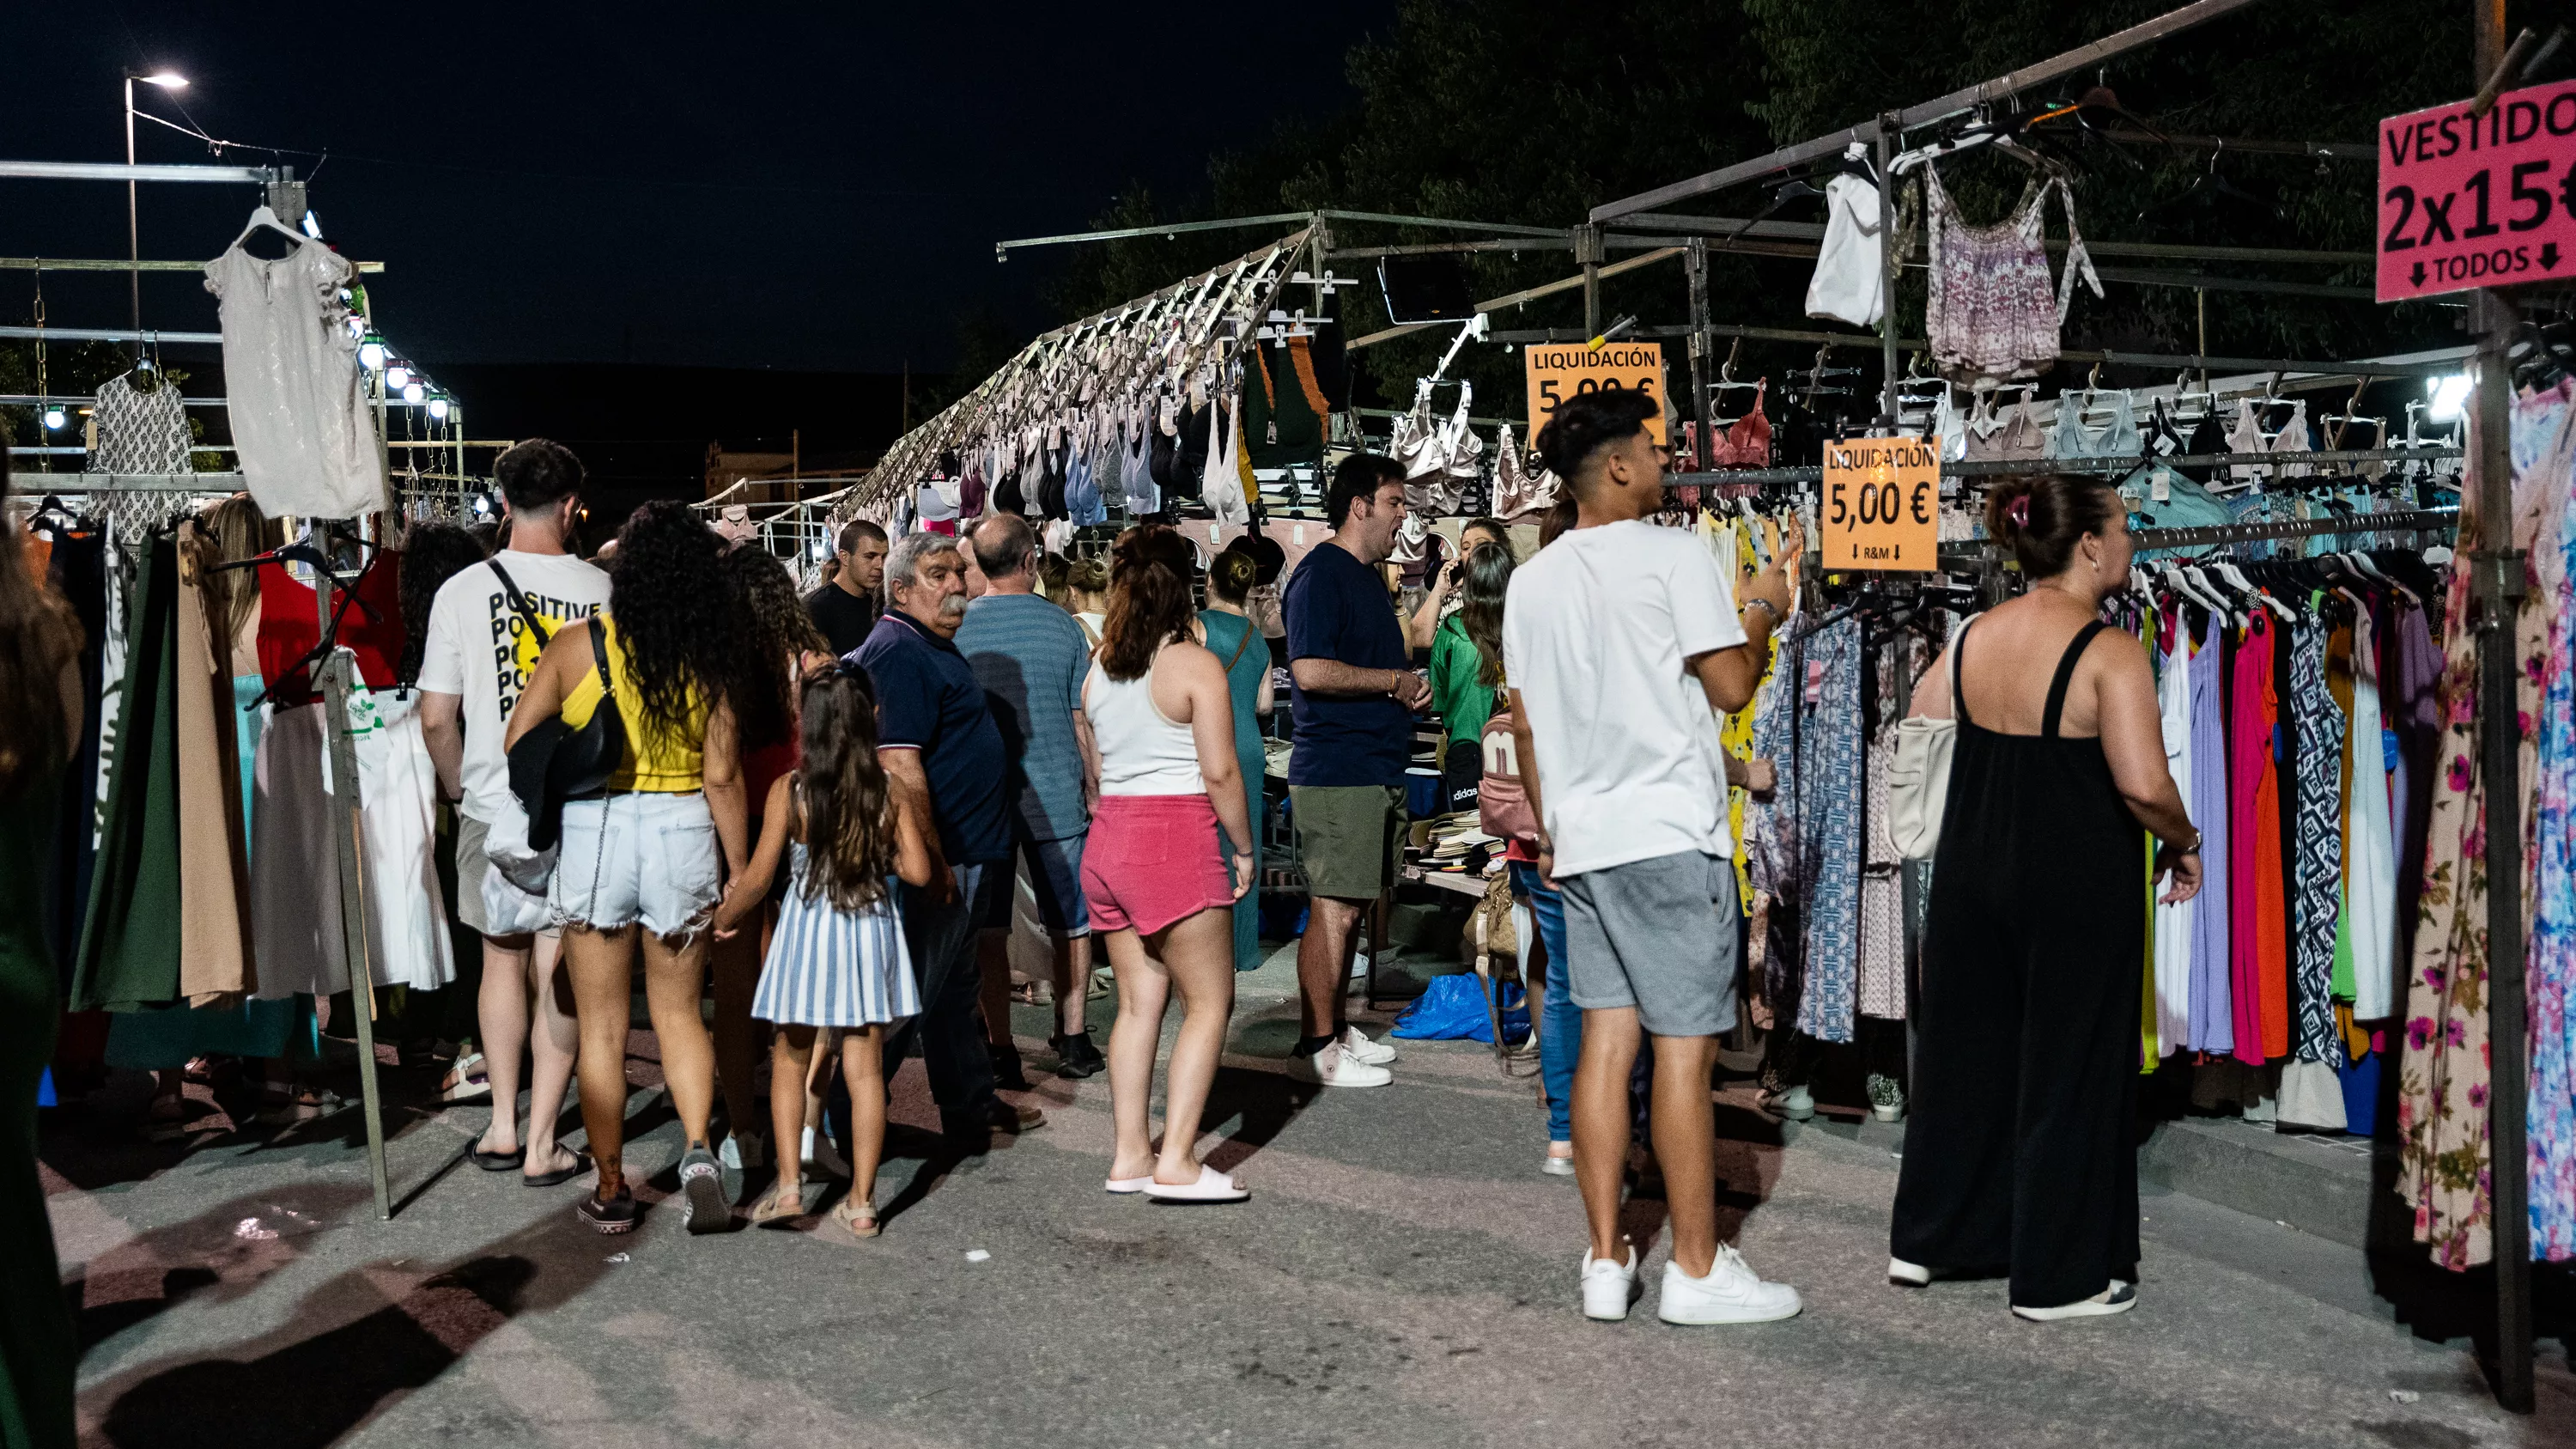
{"points": [[129, 946]]}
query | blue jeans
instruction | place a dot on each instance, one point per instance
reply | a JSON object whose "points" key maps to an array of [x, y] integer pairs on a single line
{"points": [[1560, 1026], [1560, 1034]]}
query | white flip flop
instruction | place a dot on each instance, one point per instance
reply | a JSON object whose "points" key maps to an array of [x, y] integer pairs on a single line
{"points": [[1128, 1184], [1212, 1186]]}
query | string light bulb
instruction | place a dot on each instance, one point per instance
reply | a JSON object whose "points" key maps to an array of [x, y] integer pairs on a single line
{"points": [[54, 418], [397, 377], [371, 353]]}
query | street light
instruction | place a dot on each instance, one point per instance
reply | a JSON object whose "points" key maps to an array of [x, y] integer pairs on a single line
{"points": [[168, 80]]}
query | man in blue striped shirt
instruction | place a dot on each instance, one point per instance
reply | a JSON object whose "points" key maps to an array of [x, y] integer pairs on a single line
{"points": [[1031, 658]]}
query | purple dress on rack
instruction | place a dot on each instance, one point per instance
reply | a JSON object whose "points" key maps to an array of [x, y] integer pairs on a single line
{"points": [[2213, 997]]}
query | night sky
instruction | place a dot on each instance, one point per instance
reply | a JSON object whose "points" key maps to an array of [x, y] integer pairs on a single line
{"points": [[735, 185]]}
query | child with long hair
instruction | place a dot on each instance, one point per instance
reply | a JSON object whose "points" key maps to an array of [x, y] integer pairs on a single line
{"points": [[837, 958]]}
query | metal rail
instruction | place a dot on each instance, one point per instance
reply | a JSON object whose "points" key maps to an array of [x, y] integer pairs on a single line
{"points": [[2002, 87]]}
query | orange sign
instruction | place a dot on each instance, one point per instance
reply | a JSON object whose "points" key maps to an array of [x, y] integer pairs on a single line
{"points": [[1882, 504], [1559, 370]]}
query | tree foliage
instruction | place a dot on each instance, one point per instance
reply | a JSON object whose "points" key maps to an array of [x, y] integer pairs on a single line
{"points": [[1519, 112]]}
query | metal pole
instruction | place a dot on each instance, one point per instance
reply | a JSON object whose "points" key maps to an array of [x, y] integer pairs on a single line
{"points": [[1695, 273], [1588, 251], [2499, 582], [1888, 262], [133, 229]]}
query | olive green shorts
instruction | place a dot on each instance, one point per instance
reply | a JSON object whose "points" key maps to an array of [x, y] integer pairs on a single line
{"points": [[1346, 837]]}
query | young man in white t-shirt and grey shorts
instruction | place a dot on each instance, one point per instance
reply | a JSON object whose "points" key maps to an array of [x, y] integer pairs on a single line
{"points": [[1623, 643], [485, 629]]}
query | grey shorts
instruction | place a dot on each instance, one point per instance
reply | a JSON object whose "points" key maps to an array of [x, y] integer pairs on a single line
{"points": [[1658, 935], [485, 900]]}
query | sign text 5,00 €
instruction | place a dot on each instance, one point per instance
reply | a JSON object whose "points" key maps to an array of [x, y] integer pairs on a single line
{"points": [[1559, 370], [1882, 503]]}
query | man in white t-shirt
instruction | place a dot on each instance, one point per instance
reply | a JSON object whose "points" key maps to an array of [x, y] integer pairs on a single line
{"points": [[1623, 643], [485, 629]]}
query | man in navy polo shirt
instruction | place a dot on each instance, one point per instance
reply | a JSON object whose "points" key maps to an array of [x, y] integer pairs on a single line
{"points": [[1355, 695], [939, 746]]}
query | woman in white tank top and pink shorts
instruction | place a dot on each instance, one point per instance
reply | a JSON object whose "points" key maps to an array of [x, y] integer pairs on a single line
{"points": [[1163, 724]]}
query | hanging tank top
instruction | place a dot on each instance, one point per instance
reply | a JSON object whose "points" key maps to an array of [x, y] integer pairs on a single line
{"points": [[1141, 751], [658, 761]]}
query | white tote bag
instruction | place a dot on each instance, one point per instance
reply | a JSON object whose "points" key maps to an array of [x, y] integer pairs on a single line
{"points": [[1918, 781]]}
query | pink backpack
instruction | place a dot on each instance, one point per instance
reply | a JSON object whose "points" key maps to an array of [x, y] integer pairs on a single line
{"points": [[1502, 807]]}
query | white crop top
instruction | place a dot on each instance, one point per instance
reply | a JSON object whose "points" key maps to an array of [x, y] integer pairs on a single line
{"points": [[1141, 752]]}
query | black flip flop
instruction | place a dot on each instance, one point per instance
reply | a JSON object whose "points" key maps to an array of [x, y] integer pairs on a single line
{"points": [[499, 1161], [561, 1175]]}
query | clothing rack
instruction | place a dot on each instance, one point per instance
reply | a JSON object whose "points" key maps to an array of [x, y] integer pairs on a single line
{"points": [[284, 195], [2408, 520], [2018, 467]]}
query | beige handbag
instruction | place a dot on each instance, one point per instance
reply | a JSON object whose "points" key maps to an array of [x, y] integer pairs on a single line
{"points": [[1918, 781]]}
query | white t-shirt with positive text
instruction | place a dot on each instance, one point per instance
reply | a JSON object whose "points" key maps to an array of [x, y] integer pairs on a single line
{"points": [[480, 648], [1596, 630]]}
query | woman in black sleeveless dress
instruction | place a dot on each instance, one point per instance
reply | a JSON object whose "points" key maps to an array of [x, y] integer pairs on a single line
{"points": [[2019, 1151]]}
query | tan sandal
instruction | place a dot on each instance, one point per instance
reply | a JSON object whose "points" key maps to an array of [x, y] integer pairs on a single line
{"points": [[858, 1215], [779, 1205]]}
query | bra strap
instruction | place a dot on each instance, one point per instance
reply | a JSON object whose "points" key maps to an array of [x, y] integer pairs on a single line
{"points": [[1959, 648], [2065, 676]]}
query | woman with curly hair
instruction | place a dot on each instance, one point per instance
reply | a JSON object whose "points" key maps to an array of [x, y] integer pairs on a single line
{"points": [[646, 853], [1160, 887], [780, 641]]}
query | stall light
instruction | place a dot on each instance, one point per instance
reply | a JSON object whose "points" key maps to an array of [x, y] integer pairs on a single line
{"points": [[821, 550], [438, 408], [414, 392], [397, 377], [2449, 394], [371, 353], [54, 418], [168, 80], [313, 227]]}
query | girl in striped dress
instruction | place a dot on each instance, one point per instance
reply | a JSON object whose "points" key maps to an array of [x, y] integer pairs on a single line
{"points": [[836, 958]]}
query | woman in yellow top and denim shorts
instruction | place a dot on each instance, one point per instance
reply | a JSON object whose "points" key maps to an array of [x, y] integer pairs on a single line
{"points": [[652, 850]]}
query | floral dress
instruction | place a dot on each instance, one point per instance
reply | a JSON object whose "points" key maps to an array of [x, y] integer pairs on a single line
{"points": [[2443, 1149]]}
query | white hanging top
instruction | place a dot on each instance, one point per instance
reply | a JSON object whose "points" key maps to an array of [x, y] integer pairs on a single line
{"points": [[298, 398]]}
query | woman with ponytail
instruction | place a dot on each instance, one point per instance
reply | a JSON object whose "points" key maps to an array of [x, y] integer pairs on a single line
{"points": [[2025, 1080], [1159, 887]]}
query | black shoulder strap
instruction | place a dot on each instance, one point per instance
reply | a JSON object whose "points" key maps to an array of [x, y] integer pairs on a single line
{"points": [[599, 658], [2065, 676], [518, 601]]}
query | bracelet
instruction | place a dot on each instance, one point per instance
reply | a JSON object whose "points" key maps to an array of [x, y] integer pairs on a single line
{"points": [[1765, 605], [2191, 849]]}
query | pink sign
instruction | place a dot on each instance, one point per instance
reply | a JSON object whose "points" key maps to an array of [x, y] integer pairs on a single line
{"points": [[2478, 201]]}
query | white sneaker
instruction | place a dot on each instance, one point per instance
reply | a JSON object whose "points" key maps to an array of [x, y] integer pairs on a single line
{"points": [[1359, 1044], [1608, 1288], [1907, 1275], [1555, 1166], [1334, 1066], [1731, 1293]]}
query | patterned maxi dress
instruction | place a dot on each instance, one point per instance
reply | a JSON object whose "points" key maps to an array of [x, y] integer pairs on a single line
{"points": [[2443, 1156]]}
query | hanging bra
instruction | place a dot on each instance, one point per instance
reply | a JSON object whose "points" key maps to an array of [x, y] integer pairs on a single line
{"points": [[2074, 440], [1222, 485], [1747, 442], [2012, 436]]}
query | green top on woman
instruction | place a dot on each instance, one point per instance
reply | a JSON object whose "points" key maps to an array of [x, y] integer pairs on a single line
{"points": [[1457, 688]]}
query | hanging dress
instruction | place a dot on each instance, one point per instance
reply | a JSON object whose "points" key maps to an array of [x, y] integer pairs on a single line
{"points": [[2018, 1147]]}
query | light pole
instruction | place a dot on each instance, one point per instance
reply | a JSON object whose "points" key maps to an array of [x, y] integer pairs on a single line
{"points": [[168, 81]]}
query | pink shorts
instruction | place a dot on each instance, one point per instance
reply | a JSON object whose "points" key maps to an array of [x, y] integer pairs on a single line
{"points": [[1152, 860]]}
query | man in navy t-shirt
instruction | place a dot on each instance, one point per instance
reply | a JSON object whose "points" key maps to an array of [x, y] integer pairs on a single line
{"points": [[939, 745], [1355, 694]]}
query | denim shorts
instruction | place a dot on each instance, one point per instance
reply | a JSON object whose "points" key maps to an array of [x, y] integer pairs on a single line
{"points": [[647, 857], [1055, 878]]}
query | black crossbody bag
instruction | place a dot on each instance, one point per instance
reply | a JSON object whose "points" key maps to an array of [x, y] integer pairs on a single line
{"points": [[555, 762]]}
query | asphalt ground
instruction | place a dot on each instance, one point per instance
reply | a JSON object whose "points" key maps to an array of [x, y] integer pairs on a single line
{"points": [[1402, 1275]]}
